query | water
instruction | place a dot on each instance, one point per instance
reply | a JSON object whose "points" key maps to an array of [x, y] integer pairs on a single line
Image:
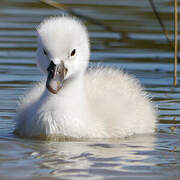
{"points": [[138, 46]]}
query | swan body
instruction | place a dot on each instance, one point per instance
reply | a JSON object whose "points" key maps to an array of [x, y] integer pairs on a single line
{"points": [[76, 102]]}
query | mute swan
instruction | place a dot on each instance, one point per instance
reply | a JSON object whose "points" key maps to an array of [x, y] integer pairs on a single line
{"points": [[74, 103]]}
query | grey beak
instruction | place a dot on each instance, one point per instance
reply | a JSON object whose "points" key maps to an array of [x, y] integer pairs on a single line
{"points": [[55, 79]]}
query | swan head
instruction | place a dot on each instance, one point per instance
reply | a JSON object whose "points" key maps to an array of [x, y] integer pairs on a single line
{"points": [[62, 51]]}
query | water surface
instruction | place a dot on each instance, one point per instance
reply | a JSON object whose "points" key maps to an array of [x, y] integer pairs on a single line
{"points": [[136, 45]]}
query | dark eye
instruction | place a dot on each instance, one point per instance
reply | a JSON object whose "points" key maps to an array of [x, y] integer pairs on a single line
{"points": [[73, 52], [45, 52]]}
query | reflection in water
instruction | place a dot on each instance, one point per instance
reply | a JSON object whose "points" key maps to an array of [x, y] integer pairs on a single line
{"points": [[113, 157]]}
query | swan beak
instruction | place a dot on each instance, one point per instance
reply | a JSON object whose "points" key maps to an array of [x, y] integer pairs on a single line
{"points": [[55, 79]]}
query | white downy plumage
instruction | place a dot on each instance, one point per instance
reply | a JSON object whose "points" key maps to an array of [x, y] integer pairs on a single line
{"points": [[98, 103]]}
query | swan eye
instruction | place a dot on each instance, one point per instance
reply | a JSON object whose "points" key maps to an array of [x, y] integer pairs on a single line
{"points": [[45, 52], [73, 52]]}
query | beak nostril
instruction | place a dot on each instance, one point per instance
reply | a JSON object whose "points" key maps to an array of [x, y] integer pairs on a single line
{"points": [[66, 70]]}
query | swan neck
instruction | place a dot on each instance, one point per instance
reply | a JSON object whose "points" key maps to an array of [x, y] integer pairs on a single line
{"points": [[75, 86]]}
